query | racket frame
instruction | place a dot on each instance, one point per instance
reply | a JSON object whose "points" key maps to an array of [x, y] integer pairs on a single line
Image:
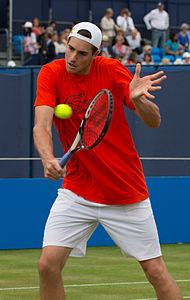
{"points": [[79, 137]]}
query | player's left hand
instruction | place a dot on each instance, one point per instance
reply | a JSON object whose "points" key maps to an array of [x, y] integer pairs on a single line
{"points": [[142, 86]]}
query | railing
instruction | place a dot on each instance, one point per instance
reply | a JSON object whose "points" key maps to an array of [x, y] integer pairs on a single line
{"points": [[4, 45]]}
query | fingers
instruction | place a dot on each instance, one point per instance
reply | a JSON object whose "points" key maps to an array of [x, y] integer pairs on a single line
{"points": [[53, 171], [159, 80], [148, 95], [155, 88], [137, 70], [156, 75]]}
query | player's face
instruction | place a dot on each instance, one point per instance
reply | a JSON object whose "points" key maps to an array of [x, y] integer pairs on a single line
{"points": [[79, 56]]}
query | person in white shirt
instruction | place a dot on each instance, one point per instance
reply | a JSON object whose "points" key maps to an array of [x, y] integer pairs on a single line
{"points": [[108, 25], [157, 20], [125, 21], [134, 41]]}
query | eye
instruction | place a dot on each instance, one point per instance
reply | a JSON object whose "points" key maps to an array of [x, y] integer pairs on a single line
{"points": [[71, 48], [83, 53]]}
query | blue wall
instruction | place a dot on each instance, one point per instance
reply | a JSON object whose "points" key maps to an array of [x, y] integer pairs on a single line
{"points": [[25, 205], [79, 9]]}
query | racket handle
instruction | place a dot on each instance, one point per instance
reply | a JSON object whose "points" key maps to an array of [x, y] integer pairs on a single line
{"points": [[65, 158]]}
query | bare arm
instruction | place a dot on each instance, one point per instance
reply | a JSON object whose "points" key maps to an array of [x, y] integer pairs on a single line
{"points": [[139, 88], [43, 141]]}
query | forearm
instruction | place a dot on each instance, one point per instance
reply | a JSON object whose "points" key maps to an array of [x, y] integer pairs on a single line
{"points": [[147, 111], [43, 143]]}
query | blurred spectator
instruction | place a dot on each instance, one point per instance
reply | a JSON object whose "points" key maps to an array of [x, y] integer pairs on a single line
{"points": [[165, 61], [186, 58], [120, 51], [183, 36], [66, 33], [132, 60], [36, 27], [42, 44], [125, 21], [54, 37], [105, 48], [157, 20], [120, 32], [188, 34], [146, 50], [147, 59], [30, 42], [52, 27], [178, 61], [60, 46], [107, 25], [50, 54], [172, 46], [134, 41]]}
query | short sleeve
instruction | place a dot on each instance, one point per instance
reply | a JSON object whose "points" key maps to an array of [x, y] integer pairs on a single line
{"points": [[168, 43], [122, 77], [46, 87]]}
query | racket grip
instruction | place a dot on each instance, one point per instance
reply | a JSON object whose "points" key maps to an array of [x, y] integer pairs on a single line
{"points": [[65, 158]]}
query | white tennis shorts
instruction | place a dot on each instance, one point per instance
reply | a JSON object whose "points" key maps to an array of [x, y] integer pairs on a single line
{"points": [[72, 220]]}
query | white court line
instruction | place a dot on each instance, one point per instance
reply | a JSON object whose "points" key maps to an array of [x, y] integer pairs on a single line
{"points": [[142, 158], [184, 297], [91, 285]]}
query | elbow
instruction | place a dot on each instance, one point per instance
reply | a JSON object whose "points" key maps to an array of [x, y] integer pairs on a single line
{"points": [[155, 123]]}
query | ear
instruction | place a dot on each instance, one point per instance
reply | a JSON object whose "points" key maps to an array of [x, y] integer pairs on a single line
{"points": [[96, 54]]}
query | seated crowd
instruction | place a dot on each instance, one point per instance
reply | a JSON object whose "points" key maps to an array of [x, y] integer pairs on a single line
{"points": [[121, 40]]}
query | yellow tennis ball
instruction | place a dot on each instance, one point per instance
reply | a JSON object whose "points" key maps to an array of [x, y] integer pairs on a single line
{"points": [[63, 111]]}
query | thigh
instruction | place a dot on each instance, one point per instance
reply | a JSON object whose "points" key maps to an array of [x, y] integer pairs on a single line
{"points": [[133, 229], [70, 224], [162, 39], [155, 38]]}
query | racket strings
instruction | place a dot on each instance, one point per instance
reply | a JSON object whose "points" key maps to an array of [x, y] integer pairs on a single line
{"points": [[96, 121]]}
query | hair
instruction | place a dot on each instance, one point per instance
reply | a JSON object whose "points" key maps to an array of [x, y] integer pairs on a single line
{"points": [[86, 33], [125, 11], [52, 22], [147, 54], [172, 36], [43, 25], [28, 32], [109, 11], [133, 56], [48, 35]]}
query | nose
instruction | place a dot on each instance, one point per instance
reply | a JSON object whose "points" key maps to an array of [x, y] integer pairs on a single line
{"points": [[73, 56]]}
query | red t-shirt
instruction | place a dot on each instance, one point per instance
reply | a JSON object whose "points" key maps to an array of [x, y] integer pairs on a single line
{"points": [[111, 173]]}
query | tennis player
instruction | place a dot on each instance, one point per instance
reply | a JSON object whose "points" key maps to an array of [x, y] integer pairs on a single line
{"points": [[106, 184]]}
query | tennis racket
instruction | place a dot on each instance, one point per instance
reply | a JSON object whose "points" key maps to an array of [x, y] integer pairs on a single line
{"points": [[94, 125]]}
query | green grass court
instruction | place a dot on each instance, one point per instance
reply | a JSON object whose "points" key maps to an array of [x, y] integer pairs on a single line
{"points": [[103, 274]]}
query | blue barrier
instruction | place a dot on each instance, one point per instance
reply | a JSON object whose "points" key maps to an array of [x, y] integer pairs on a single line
{"points": [[25, 205]]}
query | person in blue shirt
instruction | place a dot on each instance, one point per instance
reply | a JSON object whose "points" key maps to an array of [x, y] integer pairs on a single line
{"points": [[183, 36], [172, 46]]}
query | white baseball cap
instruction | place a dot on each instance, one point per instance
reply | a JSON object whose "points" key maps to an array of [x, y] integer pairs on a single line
{"points": [[96, 34], [27, 24], [186, 55]]}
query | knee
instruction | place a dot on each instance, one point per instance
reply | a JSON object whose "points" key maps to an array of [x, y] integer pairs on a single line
{"points": [[46, 267], [156, 273]]}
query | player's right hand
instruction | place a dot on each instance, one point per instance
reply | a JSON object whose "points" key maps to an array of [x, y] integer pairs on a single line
{"points": [[53, 171]]}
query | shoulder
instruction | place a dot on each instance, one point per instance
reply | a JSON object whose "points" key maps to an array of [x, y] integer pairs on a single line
{"points": [[57, 66], [168, 43], [165, 12], [154, 11], [105, 62], [113, 66]]}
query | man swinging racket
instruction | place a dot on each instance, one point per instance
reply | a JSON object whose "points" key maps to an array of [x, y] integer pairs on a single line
{"points": [[103, 185]]}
